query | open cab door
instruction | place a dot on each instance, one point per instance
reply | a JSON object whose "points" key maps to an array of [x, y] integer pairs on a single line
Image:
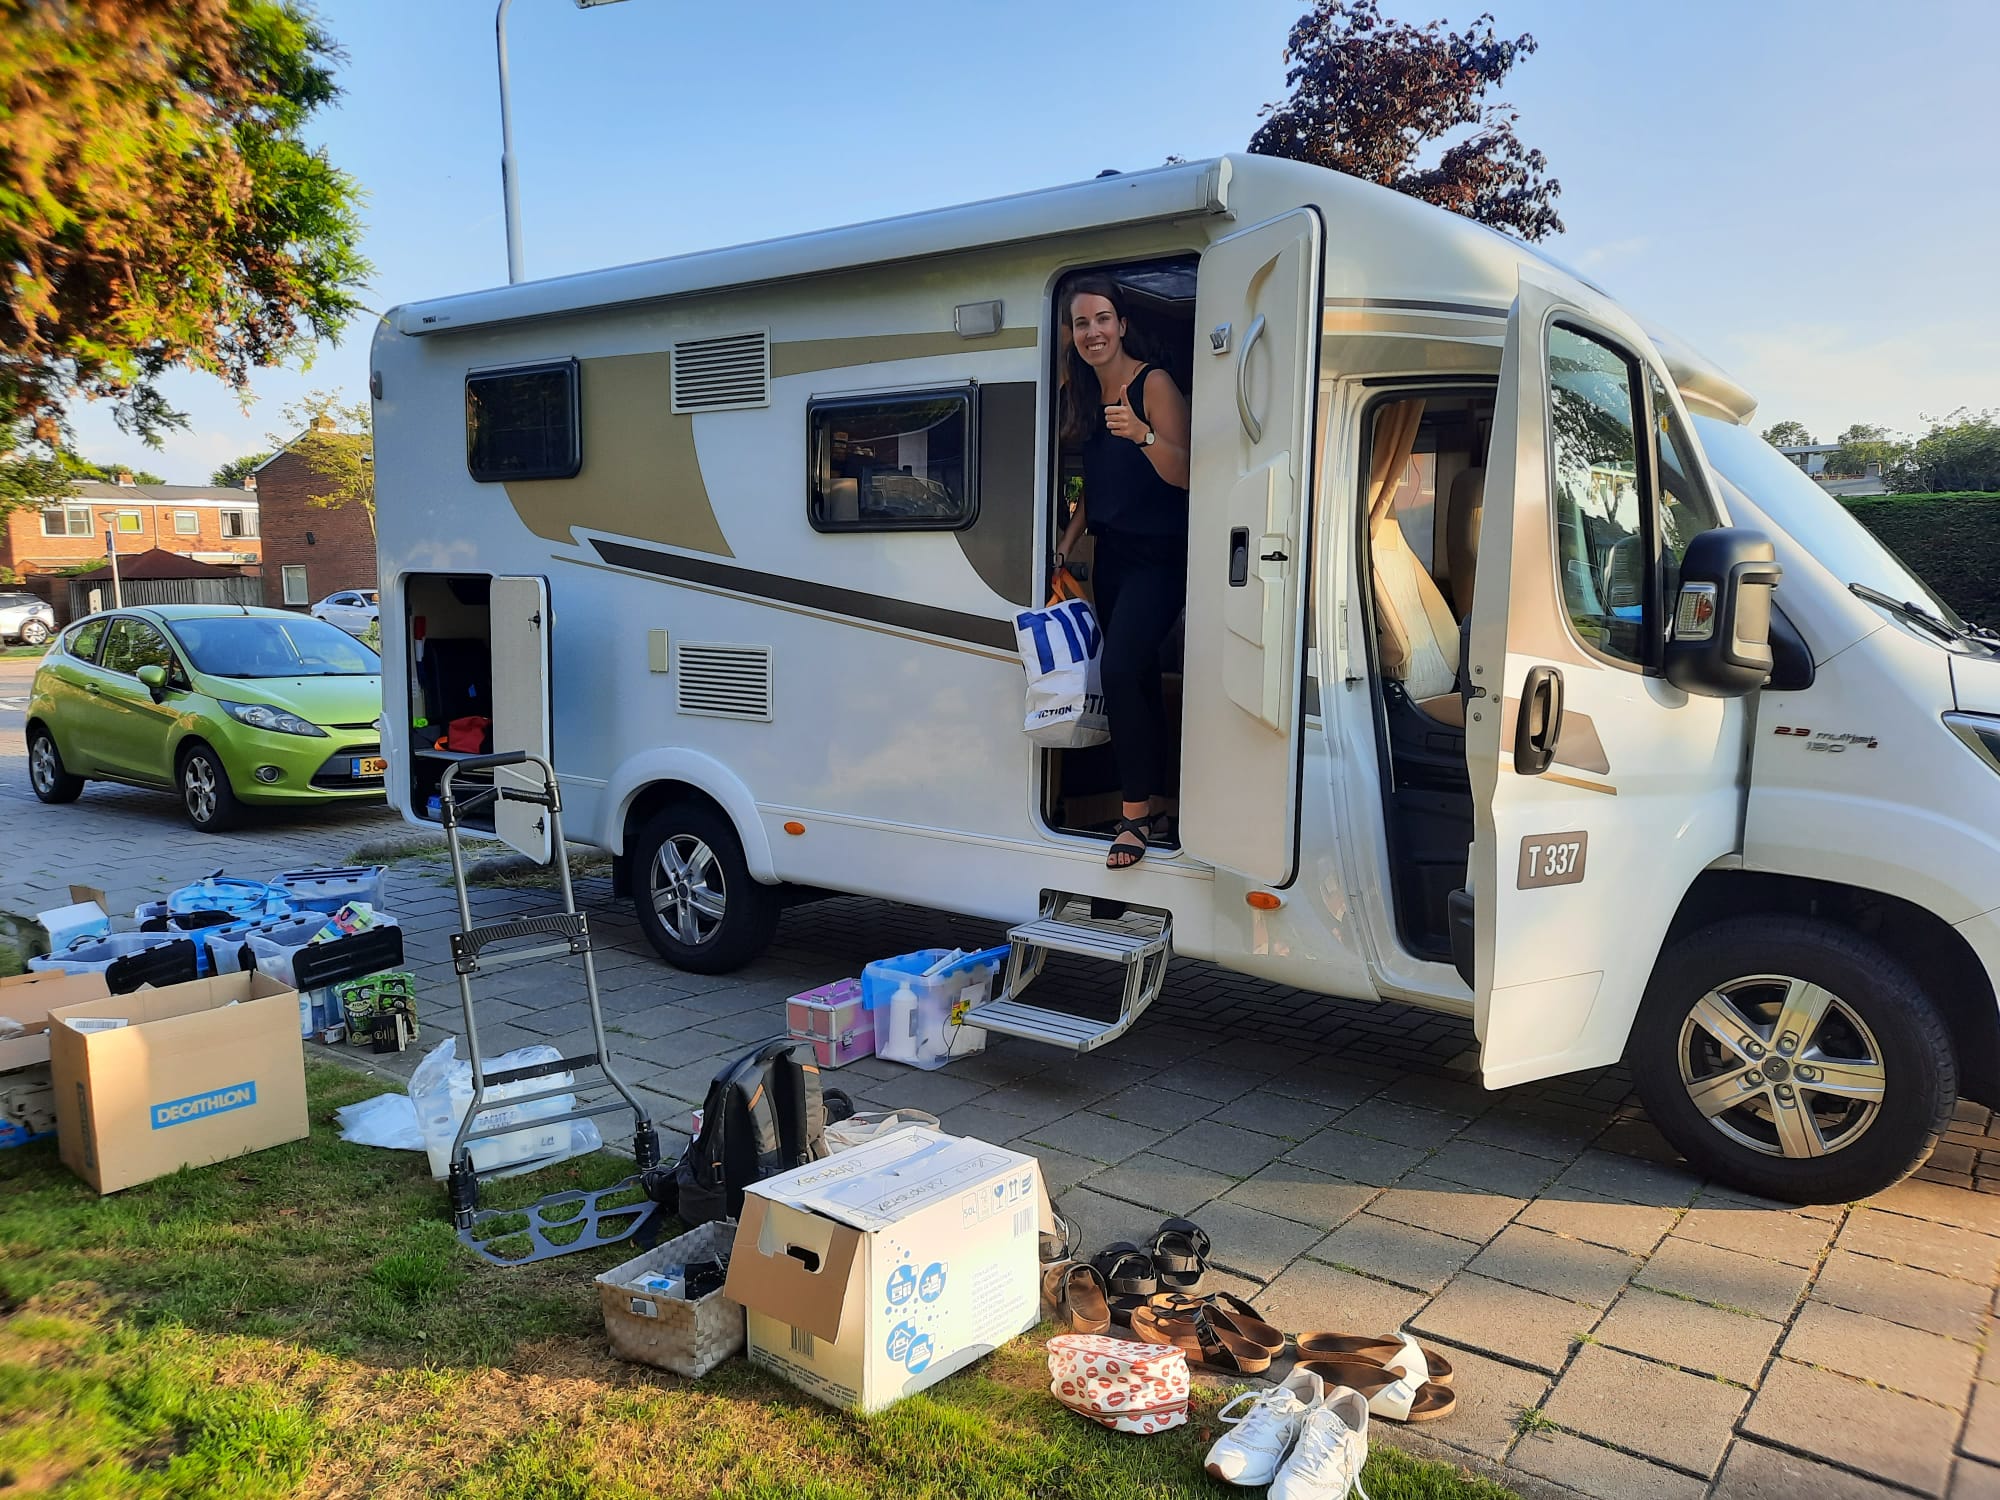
{"points": [[519, 625], [1251, 427], [1600, 790]]}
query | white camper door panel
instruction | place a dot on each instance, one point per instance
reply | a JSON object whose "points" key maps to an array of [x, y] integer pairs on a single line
{"points": [[1576, 871], [1255, 380], [519, 632]]}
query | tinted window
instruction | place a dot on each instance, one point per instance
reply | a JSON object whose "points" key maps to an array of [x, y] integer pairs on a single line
{"points": [[133, 644], [522, 424], [892, 463], [84, 638], [254, 646], [1686, 510], [1595, 486]]}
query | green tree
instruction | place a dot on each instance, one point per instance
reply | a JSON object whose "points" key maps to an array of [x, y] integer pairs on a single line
{"points": [[1863, 444], [1369, 95], [1961, 452], [159, 208], [82, 468], [1789, 435], [335, 440], [231, 475]]}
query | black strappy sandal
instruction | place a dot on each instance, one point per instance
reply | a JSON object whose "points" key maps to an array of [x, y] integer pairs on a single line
{"points": [[1180, 1254], [1129, 1277], [1137, 828], [1164, 831]]}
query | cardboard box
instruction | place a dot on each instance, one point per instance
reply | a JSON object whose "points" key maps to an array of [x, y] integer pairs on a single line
{"points": [[877, 1272], [83, 917], [28, 999], [198, 1073]]}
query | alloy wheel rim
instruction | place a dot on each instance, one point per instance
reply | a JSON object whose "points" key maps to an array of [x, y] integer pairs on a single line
{"points": [[42, 760], [200, 782], [1782, 1066], [689, 894], [34, 632]]}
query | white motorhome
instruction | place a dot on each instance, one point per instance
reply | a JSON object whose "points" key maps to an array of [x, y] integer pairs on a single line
{"points": [[1487, 701]]}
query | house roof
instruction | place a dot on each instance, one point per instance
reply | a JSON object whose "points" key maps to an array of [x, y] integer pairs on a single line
{"points": [[157, 562], [92, 489]]}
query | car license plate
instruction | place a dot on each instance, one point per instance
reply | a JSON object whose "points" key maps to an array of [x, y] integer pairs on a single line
{"points": [[367, 765]]}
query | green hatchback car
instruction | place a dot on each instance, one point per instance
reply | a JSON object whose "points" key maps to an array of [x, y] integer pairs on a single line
{"points": [[225, 704]]}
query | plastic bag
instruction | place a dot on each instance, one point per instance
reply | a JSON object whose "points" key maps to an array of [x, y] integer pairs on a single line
{"points": [[388, 1120], [441, 1090], [1060, 646], [865, 1125]]}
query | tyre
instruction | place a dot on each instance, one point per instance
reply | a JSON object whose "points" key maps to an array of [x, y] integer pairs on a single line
{"points": [[46, 774], [206, 793], [34, 633], [696, 900], [1793, 1059]]}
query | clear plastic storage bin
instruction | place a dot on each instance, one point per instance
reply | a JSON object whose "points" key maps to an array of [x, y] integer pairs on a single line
{"points": [[919, 1000], [331, 888], [93, 955]]}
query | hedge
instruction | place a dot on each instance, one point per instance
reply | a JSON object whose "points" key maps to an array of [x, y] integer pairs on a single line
{"points": [[1951, 541]]}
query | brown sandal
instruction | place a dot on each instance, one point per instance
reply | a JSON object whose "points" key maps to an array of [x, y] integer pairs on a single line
{"points": [[1388, 1393], [1362, 1346], [1076, 1290], [1228, 1312], [1204, 1338]]}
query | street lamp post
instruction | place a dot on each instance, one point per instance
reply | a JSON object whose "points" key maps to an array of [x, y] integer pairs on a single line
{"points": [[510, 184], [111, 548]]}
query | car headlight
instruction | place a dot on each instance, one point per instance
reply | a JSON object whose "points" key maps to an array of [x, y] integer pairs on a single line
{"points": [[264, 716]]}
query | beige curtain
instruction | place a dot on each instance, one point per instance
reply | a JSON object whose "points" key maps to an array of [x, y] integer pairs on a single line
{"points": [[1395, 438]]}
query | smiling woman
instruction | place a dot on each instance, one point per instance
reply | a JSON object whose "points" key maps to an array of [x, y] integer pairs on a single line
{"points": [[247, 646]]}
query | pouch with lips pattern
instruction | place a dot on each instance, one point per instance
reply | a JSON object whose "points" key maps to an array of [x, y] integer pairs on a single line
{"points": [[1126, 1386]]}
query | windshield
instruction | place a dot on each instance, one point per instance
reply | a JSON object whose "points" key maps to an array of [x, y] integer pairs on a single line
{"points": [[250, 646], [1776, 486]]}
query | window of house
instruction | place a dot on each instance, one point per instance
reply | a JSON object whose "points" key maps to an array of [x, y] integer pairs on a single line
{"points": [[186, 523], [133, 644], [129, 521], [892, 463], [239, 523], [66, 520], [295, 585], [523, 423]]}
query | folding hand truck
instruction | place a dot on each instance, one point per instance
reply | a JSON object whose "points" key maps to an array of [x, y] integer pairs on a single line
{"points": [[570, 931]]}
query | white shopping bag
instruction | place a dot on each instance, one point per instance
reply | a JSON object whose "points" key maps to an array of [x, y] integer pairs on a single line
{"points": [[1061, 646]]}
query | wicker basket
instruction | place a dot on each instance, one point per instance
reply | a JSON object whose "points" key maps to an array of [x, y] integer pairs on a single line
{"points": [[689, 1338]]}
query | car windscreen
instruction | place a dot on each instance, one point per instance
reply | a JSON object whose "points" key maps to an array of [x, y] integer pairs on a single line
{"points": [[247, 646]]}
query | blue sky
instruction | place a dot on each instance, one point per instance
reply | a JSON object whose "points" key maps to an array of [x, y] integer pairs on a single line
{"points": [[1805, 191]]}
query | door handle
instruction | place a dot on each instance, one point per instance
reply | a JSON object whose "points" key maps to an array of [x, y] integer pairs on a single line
{"points": [[1540, 723], [1239, 557], [1249, 418]]}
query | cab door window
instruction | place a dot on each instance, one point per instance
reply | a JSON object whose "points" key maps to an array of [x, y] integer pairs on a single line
{"points": [[133, 644], [1596, 491], [83, 640], [1685, 507]]}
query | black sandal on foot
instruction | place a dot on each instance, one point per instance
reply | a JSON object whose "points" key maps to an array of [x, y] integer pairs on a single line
{"points": [[1132, 853]]}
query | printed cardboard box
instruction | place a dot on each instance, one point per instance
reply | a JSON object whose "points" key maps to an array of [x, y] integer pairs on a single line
{"points": [[181, 1076], [28, 999], [881, 1270]]}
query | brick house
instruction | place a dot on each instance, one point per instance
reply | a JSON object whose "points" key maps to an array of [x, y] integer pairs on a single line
{"points": [[207, 523], [309, 550]]}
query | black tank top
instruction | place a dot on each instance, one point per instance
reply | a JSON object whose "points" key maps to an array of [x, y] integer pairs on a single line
{"points": [[1122, 491]]}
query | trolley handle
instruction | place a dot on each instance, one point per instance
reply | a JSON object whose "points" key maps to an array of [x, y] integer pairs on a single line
{"points": [[454, 804], [486, 762]]}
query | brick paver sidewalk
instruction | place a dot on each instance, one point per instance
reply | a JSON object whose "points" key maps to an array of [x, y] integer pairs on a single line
{"points": [[1620, 1328]]}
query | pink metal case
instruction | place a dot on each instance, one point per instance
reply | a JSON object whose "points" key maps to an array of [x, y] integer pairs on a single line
{"points": [[833, 1020]]}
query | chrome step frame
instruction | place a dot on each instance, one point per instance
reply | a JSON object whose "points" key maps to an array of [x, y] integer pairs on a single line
{"points": [[1141, 942]]}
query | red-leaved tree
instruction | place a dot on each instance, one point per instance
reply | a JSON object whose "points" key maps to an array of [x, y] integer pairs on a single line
{"points": [[1368, 95]]}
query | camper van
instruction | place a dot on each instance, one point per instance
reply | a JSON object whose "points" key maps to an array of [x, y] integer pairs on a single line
{"points": [[1518, 679]]}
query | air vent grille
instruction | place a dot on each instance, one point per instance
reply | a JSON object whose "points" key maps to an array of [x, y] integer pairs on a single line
{"points": [[723, 682], [731, 372]]}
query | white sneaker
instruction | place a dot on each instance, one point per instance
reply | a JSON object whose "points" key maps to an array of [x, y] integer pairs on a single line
{"points": [[1251, 1451], [1332, 1447]]}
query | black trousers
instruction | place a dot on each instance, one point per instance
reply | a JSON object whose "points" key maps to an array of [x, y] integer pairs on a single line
{"points": [[1141, 589]]}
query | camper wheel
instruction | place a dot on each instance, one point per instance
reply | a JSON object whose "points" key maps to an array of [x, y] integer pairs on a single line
{"points": [[696, 899], [1794, 1059]]}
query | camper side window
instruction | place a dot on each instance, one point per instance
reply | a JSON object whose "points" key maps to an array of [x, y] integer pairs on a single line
{"points": [[523, 423], [893, 463]]}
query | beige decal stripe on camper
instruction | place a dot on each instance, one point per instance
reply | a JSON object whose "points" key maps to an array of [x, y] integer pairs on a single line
{"points": [[824, 598], [640, 475], [806, 356]]}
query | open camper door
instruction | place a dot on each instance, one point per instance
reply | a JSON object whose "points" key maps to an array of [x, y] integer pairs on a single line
{"points": [[519, 625], [1600, 791], [1255, 378]]}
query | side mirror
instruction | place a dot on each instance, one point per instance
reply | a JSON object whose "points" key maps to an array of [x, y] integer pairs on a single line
{"points": [[1720, 644], [155, 680]]}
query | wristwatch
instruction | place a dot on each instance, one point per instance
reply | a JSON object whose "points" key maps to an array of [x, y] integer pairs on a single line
{"points": [[1147, 440]]}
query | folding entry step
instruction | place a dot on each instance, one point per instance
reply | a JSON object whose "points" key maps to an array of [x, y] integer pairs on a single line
{"points": [[1140, 941]]}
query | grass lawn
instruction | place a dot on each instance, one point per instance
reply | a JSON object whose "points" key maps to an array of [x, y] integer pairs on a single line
{"points": [[303, 1322]]}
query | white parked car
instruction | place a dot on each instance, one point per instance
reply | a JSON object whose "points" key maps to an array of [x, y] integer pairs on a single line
{"points": [[353, 610], [25, 618]]}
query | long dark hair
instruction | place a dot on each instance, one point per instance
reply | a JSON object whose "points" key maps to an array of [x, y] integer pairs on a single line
{"points": [[1083, 397]]}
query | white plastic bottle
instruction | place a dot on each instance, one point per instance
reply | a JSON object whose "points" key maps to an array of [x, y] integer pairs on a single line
{"points": [[903, 1024]]}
